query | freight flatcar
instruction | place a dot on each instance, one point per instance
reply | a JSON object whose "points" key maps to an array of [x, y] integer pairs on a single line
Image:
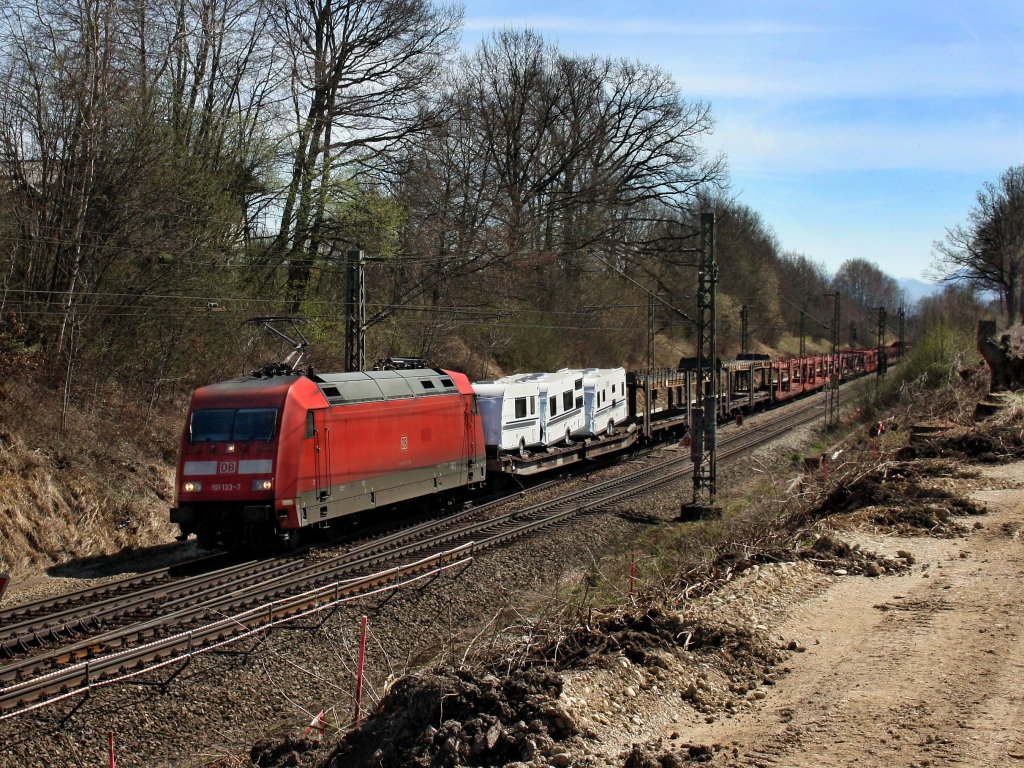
{"points": [[760, 381]]}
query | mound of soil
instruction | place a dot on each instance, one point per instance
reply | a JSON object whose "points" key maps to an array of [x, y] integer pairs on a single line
{"points": [[656, 756], [985, 444], [933, 519], [836, 555], [446, 718], [461, 718], [643, 638], [923, 469], [896, 499], [878, 489]]}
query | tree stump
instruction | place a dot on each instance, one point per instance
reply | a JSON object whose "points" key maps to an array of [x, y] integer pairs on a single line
{"points": [[1005, 357]]}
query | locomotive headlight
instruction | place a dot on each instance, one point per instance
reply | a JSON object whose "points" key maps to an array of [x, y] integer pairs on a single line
{"points": [[192, 486], [262, 485], [229, 448]]}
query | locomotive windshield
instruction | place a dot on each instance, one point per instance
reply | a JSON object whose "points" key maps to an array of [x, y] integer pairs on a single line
{"points": [[218, 425]]}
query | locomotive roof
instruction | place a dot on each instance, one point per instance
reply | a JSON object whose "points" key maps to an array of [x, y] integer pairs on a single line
{"points": [[275, 386], [369, 386]]}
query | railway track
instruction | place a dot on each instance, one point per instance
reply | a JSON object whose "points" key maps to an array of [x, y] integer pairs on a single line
{"points": [[24, 629], [155, 592], [51, 606], [163, 624]]}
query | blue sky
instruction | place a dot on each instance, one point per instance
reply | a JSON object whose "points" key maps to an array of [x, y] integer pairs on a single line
{"points": [[857, 130]]}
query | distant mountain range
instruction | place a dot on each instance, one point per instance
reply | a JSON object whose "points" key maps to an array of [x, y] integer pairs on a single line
{"points": [[917, 289]]}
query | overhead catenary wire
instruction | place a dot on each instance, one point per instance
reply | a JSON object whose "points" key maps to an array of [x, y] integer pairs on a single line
{"points": [[236, 307], [223, 302], [236, 315]]}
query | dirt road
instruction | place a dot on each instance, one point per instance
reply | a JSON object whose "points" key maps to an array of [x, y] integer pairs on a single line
{"points": [[920, 669]]}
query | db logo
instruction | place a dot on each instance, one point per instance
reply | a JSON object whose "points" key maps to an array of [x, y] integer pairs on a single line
{"points": [[227, 467]]}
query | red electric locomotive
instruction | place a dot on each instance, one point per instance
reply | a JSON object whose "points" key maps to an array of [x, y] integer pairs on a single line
{"points": [[265, 456]]}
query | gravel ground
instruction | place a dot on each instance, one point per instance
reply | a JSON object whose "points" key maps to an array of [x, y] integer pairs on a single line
{"points": [[217, 705]]}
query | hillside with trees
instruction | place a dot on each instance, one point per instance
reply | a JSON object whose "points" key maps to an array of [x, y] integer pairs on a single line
{"points": [[175, 168]]}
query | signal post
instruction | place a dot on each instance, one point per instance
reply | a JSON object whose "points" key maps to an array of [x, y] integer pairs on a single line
{"points": [[704, 417]]}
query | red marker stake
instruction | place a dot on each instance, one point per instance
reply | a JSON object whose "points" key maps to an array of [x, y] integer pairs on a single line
{"points": [[359, 671], [110, 749]]}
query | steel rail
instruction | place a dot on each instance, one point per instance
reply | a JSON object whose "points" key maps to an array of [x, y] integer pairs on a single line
{"points": [[222, 590], [66, 601], [35, 630], [83, 675]]}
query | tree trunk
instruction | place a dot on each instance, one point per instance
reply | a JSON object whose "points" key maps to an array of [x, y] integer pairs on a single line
{"points": [[1005, 357]]}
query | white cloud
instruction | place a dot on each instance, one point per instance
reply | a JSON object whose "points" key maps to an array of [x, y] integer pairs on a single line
{"points": [[781, 59], [963, 145], [590, 25], [917, 71]]}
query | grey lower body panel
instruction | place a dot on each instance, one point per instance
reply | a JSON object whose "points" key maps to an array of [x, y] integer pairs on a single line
{"points": [[342, 499]]}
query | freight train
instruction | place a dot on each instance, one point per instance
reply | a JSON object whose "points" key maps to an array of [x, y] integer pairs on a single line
{"points": [[282, 451]]}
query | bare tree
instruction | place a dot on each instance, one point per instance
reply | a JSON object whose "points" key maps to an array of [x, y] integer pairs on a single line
{"points": [[358, 70], [988, 251], [119, 197], [957, 306], [63, 84], [748, 254], [208, 70], [549, 170], [865, 284]]}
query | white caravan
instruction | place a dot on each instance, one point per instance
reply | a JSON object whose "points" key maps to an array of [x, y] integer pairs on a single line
{"points": [[531, 410], [509, 413], [604, 399], [561, 405]]}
